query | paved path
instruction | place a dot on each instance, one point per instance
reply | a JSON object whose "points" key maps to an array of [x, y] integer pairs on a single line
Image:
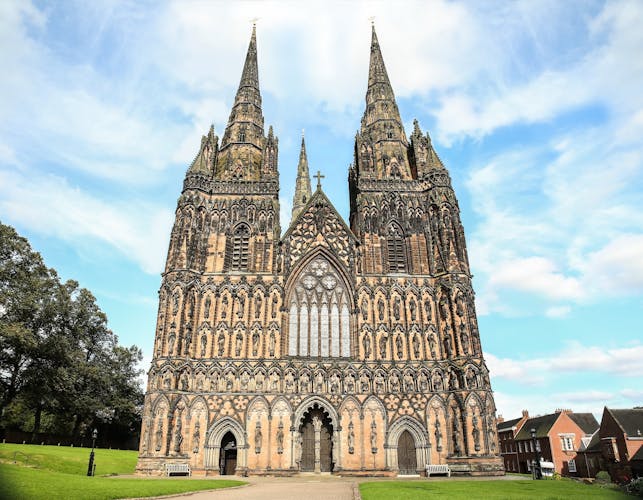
{"points": [[307, 487], [283, 488]]}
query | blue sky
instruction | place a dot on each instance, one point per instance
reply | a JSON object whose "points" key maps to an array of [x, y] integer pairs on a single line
{"points": [[535, 107]]}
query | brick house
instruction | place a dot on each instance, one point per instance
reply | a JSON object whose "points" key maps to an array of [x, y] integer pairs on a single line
{"points": [[621, 436], [507, 430], [559, 436], [589, 459]]}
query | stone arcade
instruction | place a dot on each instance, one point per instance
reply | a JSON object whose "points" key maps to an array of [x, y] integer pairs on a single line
{"points": [[328, 349]]}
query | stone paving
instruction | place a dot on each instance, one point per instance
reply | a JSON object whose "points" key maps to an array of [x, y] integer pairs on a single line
{"points": [[308, 487]]}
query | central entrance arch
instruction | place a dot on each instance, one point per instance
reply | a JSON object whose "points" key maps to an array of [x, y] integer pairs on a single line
{"points": [[406, 456], [228, 461], [317, 441]]}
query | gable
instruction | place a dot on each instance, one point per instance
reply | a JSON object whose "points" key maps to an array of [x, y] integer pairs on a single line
{"points": [[318, 224]]}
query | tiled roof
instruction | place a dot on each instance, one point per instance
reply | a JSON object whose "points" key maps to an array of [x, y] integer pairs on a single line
{"points": [[508, 424], [585, 421], [630, 420], [638, 455], [542, 425]]}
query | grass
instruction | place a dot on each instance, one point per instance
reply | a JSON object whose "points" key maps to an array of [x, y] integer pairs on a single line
{"points": [[52, 472], [493, 489]]}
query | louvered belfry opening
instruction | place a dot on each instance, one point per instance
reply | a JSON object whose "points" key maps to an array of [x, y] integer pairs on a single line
{"points": [[239, 250], [395, 248]]}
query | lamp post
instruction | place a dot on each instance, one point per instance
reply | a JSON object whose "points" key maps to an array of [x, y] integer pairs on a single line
{"points": [[90, 466], [536, 467]]}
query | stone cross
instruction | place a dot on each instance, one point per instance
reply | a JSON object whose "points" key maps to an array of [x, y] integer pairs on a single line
{"points": [[319, 177]]}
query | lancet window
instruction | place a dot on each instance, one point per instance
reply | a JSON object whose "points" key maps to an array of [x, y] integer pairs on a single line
{"points": [[319, 318]]}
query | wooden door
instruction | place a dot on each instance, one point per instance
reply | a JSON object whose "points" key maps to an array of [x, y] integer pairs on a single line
{"points": [[325, 449], [308, 447], [406, 457], [230, 466]]}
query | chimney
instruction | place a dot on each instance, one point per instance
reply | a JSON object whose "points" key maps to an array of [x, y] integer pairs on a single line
{"points": [[500, 419], [525, 413]]}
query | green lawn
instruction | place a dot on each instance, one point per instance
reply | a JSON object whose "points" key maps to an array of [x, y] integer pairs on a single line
{"points": [[520, 489], [52, 472]]}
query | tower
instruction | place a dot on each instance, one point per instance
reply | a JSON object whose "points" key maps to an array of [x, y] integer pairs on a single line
{"points": [[329, 348]]}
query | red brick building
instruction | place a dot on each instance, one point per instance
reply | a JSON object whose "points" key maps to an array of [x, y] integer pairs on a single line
{"points": [[507, 430], [559, 437], [621, 436]]}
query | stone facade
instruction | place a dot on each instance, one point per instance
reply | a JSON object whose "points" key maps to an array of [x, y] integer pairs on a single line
{"points": [[350, 350]]}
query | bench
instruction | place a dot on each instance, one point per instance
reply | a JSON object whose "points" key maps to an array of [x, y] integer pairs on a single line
{"points": [[178, 469], [438, 469]]}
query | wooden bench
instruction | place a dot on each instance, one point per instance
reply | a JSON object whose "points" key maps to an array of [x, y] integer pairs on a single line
{"points": [[178, 469], [438, 469]]}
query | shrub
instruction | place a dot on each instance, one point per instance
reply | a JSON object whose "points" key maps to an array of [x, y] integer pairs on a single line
{"points": [[603, 477], [635, 487]]}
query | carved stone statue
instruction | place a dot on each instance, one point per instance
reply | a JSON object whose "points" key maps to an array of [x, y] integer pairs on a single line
{"points": [[221, 344], [416, 346], [396, 308], [238, 344], [158, 437], [349, 383], [178, 435], [438, 433], [258, 437], [412, 309], [475, 431], [364, 309], [280, 438], [271, 344], [399, 348], [206, 307], [196, 437], [241, 301], [257, 306], [383, 341], [373, 437], [351, 438], [298, 448], [255, 343], [379, 383], [366, 342], [380, 309], [204, 342]]}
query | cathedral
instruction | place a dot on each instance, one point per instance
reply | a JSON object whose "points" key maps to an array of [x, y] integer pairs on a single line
{"points": [[338, 348]]}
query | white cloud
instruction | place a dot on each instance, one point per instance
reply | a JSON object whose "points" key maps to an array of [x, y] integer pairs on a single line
{"points": [[538, 275], [558, 311], [623, 361], [49, 205]]}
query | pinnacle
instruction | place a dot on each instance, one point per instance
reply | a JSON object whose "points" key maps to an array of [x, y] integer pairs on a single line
{"points": [[303, 191]]}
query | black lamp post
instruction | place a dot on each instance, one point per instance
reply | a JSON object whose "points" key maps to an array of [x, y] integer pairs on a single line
{"points": [[536, 464], [90, 466]]}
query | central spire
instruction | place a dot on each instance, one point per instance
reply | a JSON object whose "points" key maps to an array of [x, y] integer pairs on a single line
{"points": [[303, 192]]}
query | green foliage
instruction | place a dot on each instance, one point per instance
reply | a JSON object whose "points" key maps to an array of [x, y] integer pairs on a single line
{"points": [[492, 489], [603, 477], [61, 368], [635, 487]]}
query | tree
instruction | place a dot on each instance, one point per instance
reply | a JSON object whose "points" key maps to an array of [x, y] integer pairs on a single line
{"points": [[57, 355]]}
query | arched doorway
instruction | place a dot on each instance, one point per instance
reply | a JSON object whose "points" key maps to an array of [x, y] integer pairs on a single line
{"points": [[314, 457], [228, 457], [406, 456]]}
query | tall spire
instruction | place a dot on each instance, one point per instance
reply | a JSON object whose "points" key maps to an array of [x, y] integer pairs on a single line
{"points": [[303, 192], [381, 108], [381, 147], [243, 139]]}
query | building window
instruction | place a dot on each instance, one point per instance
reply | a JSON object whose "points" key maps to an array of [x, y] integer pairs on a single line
{"points": [[395, 248], [520, 446], [568, 443], [319, 317], [571, 466], [238, 249]]}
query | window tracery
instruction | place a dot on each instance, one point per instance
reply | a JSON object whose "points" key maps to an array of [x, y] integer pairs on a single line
{"points": [[319, 319]]}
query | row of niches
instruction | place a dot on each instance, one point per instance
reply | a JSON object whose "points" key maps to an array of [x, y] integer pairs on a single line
{"points": [[305, 381]]}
